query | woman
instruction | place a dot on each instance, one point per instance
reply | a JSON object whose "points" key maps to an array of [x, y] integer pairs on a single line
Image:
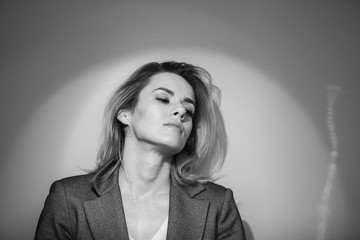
{"points": [[163, 140]]}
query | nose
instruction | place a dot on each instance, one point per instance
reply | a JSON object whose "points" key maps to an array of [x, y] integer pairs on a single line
{"points": [[179, 112]]}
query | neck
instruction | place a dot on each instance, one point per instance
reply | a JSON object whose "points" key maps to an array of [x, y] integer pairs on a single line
{"points": [[144, 172]]}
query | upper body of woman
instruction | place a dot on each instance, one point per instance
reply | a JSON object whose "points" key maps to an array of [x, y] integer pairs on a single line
{"points": [[163, 139]]}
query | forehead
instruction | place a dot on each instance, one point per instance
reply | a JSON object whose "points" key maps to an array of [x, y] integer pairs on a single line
{"points": [[171, 81]]}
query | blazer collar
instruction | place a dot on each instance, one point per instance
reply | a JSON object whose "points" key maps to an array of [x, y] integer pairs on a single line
{"points": [[187, 215], [106, 217], [107, 178]]}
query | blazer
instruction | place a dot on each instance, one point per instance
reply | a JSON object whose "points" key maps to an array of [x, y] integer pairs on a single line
{"points": [[87, 207]]}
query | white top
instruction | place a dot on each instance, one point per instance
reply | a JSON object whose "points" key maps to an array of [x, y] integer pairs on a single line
{"points": [[161, 233]]}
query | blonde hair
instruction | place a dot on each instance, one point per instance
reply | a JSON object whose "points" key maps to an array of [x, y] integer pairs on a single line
{"points": [[205, 150]]}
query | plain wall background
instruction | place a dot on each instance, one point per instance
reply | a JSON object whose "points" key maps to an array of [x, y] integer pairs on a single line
{"points": [[273, 60]]}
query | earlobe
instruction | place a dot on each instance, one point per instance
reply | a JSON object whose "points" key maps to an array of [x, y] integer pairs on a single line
{"points": [[123, 117]]}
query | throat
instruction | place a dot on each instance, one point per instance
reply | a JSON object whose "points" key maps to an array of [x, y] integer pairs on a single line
{"points": [[144, 217], [143, 182]]}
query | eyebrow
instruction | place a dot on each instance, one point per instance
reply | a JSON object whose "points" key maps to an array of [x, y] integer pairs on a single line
{"points": [[188, 100]]}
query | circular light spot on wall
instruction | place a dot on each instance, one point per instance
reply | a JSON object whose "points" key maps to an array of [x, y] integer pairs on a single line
{"points": [[276, 163]]}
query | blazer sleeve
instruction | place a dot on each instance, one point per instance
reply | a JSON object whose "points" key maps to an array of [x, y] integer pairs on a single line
{"points": [[54, 222], [230, 225]]}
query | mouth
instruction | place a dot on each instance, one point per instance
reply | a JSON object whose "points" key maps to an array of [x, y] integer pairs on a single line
{"points": [[176, 126]]}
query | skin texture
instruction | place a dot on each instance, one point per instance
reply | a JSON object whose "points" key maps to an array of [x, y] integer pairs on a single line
{"points": [[163, 103]]}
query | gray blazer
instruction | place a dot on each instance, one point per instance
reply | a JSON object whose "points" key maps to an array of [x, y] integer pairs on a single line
{"points": [[86, 207]]}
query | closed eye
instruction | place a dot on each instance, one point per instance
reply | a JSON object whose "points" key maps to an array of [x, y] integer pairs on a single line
{"points": [[162, 99], [190, 113]]}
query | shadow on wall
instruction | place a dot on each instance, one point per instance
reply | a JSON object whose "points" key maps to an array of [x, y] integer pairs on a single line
{"points": [[248, 232]]}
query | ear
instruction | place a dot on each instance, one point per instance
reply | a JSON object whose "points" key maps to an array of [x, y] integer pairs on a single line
{"points": [[124, 117]]}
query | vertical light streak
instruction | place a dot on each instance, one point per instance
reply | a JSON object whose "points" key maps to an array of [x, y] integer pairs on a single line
{"points": [[332, 92]]}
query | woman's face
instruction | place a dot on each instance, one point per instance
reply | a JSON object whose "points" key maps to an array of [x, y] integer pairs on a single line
{"points": [[163, 115]]}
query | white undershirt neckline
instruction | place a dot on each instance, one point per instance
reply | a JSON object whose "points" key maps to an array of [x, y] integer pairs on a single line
{"points": [[161, 233]]}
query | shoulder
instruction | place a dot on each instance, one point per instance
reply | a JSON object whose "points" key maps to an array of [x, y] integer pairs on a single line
{"points": [[225, 210], [214, 190], [78, 180], [214, 187], [215, 193], [75, 186]]}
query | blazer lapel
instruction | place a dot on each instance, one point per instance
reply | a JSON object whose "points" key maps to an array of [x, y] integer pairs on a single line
{"points": [[106, 216], [187, 216], [105, 213]]}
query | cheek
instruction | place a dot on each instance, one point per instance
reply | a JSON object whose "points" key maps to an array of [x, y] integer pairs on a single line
{"points": [[188, 127], [142, 113], [147, 117]]}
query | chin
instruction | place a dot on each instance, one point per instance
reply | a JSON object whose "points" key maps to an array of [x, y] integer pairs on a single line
{"points": [[170, 144], [173, 148]]}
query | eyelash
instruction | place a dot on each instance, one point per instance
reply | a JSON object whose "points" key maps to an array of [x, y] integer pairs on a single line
{"points": [[190, 113], [166, 100], [163, 99]]}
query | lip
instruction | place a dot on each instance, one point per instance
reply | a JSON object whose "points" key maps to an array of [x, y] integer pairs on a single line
{"points": [[175, 125]]}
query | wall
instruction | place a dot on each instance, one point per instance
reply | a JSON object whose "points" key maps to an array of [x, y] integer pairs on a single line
{"points": [[276, 63]]}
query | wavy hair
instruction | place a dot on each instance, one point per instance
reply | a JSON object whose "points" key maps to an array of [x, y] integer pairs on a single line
{"points": [[205, 150]]}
